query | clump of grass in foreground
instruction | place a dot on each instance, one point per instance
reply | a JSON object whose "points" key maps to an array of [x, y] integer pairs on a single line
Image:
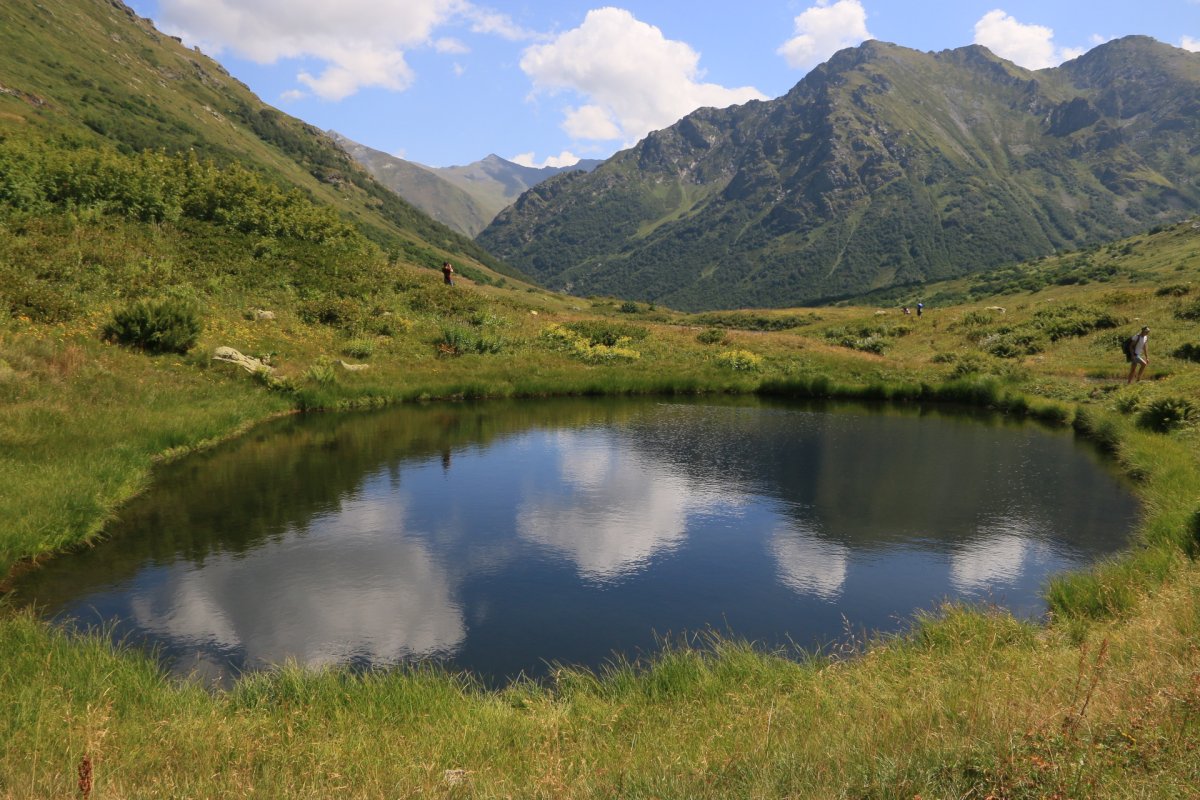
{"points": [[972, 703]]}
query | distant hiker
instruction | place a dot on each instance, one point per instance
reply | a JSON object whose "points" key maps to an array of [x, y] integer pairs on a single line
{"points": [[906, 311], [920, 309], [1139, 355], [448, 273]]}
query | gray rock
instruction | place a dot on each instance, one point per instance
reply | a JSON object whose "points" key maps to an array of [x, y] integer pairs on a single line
{"points": [[354, 367], [248, 363]]}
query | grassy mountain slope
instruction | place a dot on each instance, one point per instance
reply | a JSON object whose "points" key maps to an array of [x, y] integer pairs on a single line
{"points": [[90, 72], [465, 198], [496, 182], [423, 187], [883, 166]]}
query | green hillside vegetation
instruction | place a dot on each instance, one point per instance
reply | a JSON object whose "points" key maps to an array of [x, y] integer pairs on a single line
{"points": [[86, 73], [883, 167], [126, 263], [1100, 703]]}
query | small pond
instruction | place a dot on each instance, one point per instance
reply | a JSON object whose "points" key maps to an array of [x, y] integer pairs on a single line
{"points": [[501, 538]]}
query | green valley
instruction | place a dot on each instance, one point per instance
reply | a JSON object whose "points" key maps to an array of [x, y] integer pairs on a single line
{"points": [[153, 211]]}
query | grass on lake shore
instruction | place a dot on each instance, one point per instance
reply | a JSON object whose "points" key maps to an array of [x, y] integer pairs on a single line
{"points": [[1103, 702]]}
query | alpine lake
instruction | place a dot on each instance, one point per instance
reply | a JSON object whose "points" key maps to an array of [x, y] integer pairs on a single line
{"points": [[506, 538]]}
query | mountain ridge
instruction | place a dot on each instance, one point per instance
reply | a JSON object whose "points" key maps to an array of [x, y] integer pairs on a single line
{"points": [[883, 166], [464, 197]]}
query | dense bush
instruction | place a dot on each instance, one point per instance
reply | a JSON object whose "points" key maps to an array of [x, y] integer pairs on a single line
{"points": [[1187, 352], [751, 321], [161, 326], [608, 334], [1014, 343], [155, 187], [1060, 322], [1189, 311], [711, 336], [1167, 413], [41, 301], [457, 341], [359, 348], [580, 346], [740, 360]]}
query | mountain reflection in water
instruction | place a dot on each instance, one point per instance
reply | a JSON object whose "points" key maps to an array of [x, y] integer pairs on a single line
{"points": [[502, 538]]}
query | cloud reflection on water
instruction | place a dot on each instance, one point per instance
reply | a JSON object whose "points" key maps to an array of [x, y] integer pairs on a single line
{"points": [[997, 555], [808, 565], [619, 509], [320, 598]]}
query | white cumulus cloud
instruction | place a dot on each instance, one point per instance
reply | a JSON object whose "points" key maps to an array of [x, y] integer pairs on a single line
{"points": [[1190, 43], [359, 43], [824, 29], [1029, 46], [633, 79], [564, 159]]}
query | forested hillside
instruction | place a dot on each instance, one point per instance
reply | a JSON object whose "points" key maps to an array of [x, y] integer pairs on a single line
{"points": [[885, 166]]}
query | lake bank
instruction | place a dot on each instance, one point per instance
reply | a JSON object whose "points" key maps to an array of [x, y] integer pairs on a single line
{"points": [[1101, 702]]}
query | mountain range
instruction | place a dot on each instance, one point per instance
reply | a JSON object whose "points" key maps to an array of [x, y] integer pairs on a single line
{"points": [[884, 166], [465, 198]]}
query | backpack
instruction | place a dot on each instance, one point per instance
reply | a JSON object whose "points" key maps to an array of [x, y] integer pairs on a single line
{"points": [[1127, 347]]}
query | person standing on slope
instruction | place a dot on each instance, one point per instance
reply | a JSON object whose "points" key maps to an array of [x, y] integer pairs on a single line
{"points": [[448, 273], [1140, 354]]}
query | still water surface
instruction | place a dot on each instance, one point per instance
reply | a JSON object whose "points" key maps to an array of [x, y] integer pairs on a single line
{"points": [[501, 538]]}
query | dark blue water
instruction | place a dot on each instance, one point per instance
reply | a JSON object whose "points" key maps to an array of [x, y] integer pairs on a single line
{"points": [[502, 538]]}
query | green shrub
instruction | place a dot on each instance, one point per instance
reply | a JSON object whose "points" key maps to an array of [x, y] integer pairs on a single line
{"points": [[337, 312], [456, 341], [565, 338], [41, 301], [1128, 399], [740, 360], [359, 348], [1189, 311], [1014, 344], [750, 321], [711, 336], [171, 325], [1167, 413], [609, 334], [1187, 352], [629, 307], [974, 319], [1174, 290], [1070, 319], [322, 371], [968, 365]]}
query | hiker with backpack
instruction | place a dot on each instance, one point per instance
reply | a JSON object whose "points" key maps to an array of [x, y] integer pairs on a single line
{"points": [[1137, 354]]}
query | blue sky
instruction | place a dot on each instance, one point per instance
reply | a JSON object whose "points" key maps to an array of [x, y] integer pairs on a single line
{"points": [[444, 82]]}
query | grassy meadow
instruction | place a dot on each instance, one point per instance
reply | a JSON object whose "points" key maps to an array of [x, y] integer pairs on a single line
{"points": [[1103, 701]]}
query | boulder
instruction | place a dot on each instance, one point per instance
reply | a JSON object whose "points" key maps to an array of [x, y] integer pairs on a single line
{"points": [[354, 367], [248, 363]]}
